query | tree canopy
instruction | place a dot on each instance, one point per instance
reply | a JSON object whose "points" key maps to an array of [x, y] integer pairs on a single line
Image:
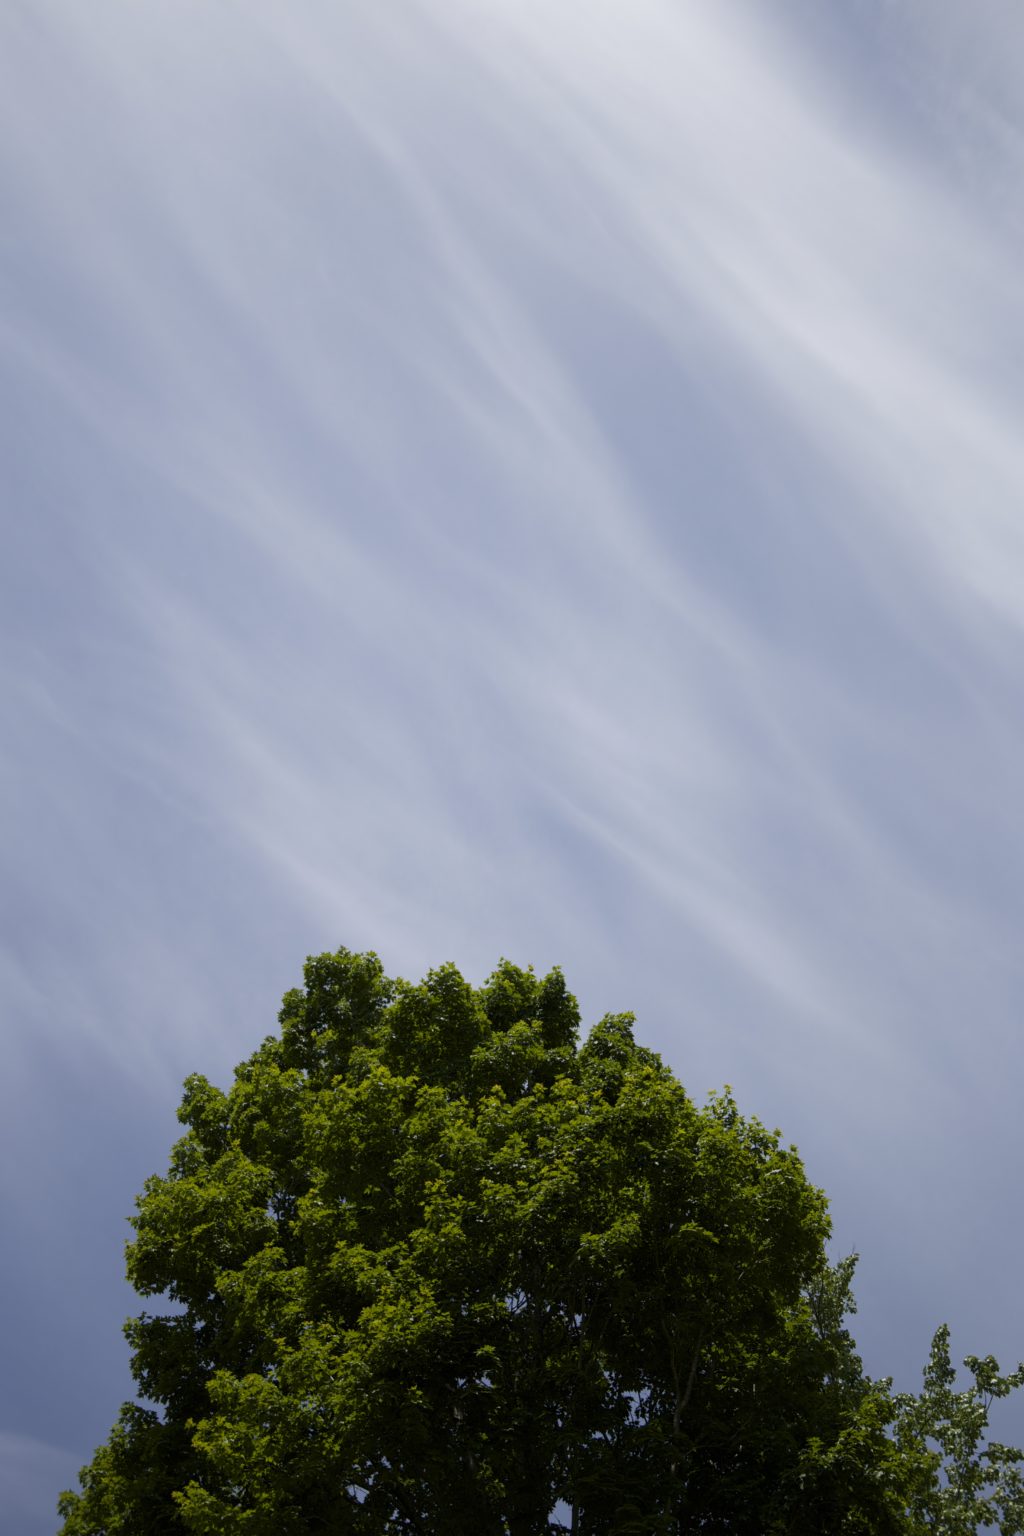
{"points": [[437, 1267]]}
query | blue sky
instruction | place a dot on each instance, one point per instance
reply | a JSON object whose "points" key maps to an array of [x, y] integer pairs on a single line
{"points": [[530, 479]]}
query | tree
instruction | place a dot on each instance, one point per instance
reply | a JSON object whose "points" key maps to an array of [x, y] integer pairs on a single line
{"points": [[438, 1268], [961, 1482]]}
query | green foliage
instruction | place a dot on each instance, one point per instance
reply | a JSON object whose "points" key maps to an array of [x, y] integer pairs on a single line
{"points": [[439, 1269], [961, 1482]]}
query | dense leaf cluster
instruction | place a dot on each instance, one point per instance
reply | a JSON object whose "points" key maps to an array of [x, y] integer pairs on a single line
{"points": [[440, 1269]]}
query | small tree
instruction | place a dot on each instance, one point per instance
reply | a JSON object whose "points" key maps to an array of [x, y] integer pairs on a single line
{"points": [[961, 1481], [440, 1269]]}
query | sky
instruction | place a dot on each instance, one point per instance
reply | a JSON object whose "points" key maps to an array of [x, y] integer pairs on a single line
{"points": [[515, 478]]}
